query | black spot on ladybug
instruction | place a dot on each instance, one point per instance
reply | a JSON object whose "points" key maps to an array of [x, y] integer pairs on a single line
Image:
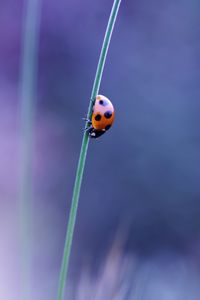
{"points": [[107, 127], [108, 114], [103, 102], [98, 117]]}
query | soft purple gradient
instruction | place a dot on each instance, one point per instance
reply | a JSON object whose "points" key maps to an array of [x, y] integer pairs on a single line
{"points": [[144, 172]]}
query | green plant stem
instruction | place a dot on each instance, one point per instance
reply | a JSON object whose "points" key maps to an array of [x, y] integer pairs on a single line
{"points": [[83, 152]]}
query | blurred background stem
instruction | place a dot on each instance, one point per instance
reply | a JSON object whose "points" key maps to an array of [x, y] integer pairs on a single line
{"points": [[29, 62], [83, 153]]}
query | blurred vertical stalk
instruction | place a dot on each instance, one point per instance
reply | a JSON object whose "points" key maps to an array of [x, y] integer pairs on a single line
{"points": [[83, 153], [30, 37]]}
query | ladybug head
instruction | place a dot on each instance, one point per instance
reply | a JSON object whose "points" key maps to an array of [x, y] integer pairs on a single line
{"points": [[94, 133]]}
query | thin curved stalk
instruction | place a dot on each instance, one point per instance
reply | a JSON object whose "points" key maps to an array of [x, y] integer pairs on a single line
{"points": [[83, 152], [30, 38]]}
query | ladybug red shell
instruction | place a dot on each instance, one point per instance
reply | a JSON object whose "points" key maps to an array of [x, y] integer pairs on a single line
{"points": [[103, 115]]}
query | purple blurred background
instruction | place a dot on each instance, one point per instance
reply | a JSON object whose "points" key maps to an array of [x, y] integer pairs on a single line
{"points": [[143, 175]]}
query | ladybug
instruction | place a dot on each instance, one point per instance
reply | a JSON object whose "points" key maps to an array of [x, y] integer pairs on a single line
{"points": [[103, 115]]}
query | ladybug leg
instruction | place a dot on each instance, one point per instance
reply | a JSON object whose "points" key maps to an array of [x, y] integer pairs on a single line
{"points": [[92, 100], [88, 123], [88, 129]]}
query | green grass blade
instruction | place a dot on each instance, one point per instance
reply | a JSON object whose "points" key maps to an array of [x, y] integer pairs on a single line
{"points": [[83, 153]]}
